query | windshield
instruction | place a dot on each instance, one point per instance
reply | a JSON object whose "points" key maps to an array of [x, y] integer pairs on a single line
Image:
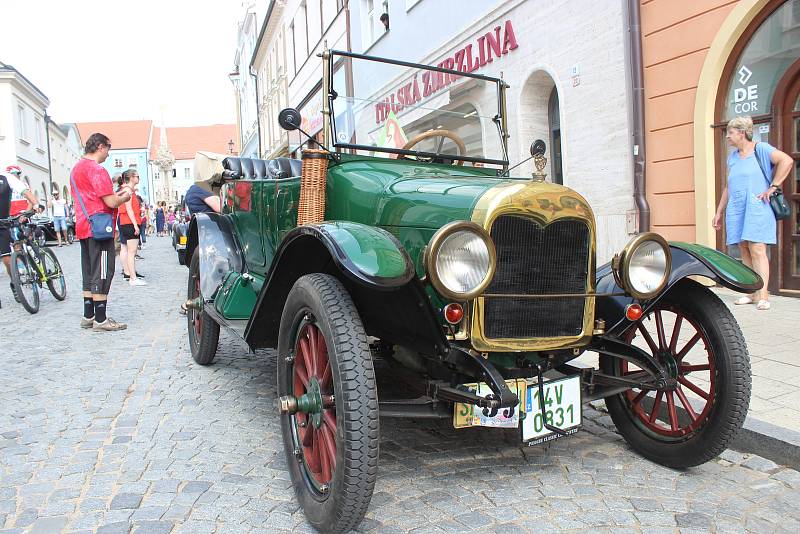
{"points": [[397, 109]]}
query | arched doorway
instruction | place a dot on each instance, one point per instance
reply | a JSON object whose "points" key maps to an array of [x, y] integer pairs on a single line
{"points": [[761, 79], [787, 98], [540, 118]]}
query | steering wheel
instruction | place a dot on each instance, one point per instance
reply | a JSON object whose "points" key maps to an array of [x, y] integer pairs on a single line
{"points": [[462, 148]]}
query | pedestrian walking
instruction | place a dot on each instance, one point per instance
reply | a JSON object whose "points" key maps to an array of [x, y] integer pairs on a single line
{"points": [[94, 228], [59, 207], [142, 222], [129, 225], [170, 220], [755, 171], [160, 217]]}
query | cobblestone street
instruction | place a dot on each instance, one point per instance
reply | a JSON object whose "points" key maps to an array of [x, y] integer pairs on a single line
{"points": [[123, 432]]}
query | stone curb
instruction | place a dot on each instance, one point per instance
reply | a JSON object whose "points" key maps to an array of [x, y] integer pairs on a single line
{"points": [[781, 445]]}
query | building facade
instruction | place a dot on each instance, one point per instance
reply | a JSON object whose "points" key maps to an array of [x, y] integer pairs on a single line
{"points": [[65, 150], [23, 138], [705, 63], [568, 84], [130, 148], [244, 83], [183, 143]]}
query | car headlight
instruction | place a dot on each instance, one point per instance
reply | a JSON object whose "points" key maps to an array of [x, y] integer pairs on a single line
{"points": [[643, 266], [460, 260]]}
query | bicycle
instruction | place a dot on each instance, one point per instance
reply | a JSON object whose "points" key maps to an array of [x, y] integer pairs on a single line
{"points": [[31, 265]]}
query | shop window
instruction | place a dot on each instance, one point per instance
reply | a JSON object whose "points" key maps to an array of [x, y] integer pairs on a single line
{"points": [[554, 119], [763, 62], [186, 172]]}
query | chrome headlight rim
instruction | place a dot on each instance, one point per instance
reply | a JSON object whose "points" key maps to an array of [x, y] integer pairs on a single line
{"points": [[431, 253], [623, 264]]}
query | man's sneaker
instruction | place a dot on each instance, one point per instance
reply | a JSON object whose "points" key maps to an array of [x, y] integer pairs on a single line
{"points": [[87, 323], [109, 325], [138, 282]]}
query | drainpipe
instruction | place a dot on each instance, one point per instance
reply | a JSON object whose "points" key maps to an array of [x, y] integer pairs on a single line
{"points": [[633, 51], [258, 113], [49, 163]]}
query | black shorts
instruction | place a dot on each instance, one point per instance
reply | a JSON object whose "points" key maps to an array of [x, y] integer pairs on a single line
{"points": [[127, 231], [97, 265], [5, 242]]}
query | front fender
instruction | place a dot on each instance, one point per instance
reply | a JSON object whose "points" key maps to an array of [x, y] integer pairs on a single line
{"points": [[373, 266], [220, 252], [687, 260]]}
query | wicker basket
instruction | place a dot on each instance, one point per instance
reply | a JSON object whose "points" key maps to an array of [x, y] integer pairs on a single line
{"points": [[312, 187]]}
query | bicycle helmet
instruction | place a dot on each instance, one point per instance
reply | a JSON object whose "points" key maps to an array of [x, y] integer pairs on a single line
{"points": [[14, 169]]}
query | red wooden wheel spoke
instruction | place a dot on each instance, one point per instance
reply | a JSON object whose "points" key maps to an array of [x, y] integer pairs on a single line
{"points": [[300, 371], [313, 459], [673, 415], [648, 338], [330, 449], [638, 398], [685, 369], [662, 341], [673, 344], [685, 350], [329, 418], [305, 351], [311, 331], [686, 404], [693, 387], [656, 407], [306, 436], [321, 356], [325, 381]]}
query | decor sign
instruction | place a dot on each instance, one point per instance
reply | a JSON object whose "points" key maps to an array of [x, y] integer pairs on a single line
{"points": [[468, 59]]}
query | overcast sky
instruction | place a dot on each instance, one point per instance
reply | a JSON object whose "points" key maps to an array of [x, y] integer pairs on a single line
{"points": [[125, 60]]}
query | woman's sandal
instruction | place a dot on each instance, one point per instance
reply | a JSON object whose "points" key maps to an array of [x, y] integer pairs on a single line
{"points": [[743, 300], [763, 305]]}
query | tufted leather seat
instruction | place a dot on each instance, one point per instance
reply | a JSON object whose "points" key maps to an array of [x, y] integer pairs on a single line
{"points": [[256, 169]]}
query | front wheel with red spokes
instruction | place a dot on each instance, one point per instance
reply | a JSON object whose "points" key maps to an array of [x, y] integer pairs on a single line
{"points": [[328, 403], [695, 337]]}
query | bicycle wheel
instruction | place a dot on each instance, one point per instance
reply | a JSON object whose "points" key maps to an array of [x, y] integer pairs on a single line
{"points": [[25, 280], [55, 276]]}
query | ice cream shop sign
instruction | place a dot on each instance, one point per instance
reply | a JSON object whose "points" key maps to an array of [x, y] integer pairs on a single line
{"points": [[474, 56]]}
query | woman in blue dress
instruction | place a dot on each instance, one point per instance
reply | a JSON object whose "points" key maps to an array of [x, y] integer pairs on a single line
{"points": [[160, 219], [749, 221]]}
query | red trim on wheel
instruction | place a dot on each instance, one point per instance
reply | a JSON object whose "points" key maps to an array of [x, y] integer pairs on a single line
{"points": [[318, 443], [661, 345]]}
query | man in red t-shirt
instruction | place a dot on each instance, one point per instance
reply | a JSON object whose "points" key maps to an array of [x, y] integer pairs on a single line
{"points": [[92, 190]]}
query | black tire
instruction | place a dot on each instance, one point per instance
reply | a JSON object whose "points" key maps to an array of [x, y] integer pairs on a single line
{"points": [[182, 257], [203, 330], [70, 235], [25, 280], [56, 282], [320, 303], [696, 439]]}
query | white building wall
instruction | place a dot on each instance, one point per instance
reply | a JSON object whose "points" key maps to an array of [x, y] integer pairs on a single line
{"points": [[184, 178], [556, 39]]}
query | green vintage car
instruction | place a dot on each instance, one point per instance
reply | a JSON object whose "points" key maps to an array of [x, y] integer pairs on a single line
{"points": [[403, 250]]}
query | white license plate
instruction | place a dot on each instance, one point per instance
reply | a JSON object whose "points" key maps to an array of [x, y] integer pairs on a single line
{"points": [[562, 406]]}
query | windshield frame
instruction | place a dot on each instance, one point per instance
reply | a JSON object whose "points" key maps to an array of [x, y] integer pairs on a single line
{"points": [[330, 96]]}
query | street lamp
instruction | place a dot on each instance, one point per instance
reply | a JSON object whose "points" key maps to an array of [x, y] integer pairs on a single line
{"points": [[230, 146]]}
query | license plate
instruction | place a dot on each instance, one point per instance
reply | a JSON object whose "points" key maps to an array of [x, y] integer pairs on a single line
{"points": [[182, 240], [562, 406], [466, 415]]}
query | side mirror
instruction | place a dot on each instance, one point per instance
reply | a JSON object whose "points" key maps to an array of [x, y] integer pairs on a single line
{"points": [[538, 148], [289, 119]]}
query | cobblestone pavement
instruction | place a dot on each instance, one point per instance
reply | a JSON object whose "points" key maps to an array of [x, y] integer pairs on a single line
{"points": [[122, 432]]}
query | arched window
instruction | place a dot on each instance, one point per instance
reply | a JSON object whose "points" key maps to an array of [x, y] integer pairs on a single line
{"points": [[554, 120]]}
